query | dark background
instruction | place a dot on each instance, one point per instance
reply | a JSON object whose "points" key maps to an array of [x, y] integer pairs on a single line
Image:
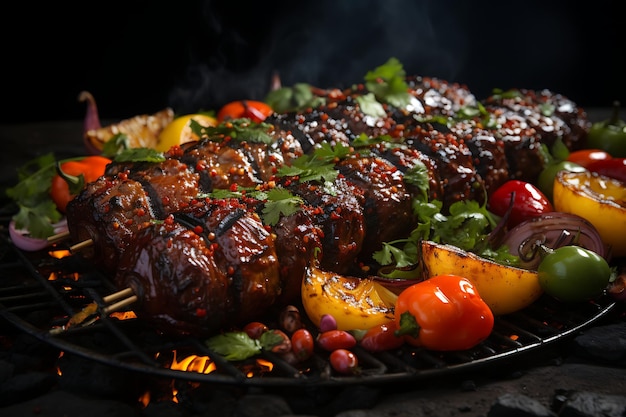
{"points": [[140, 56]]}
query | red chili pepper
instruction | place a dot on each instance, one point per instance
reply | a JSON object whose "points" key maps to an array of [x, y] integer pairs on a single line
{"points": [[257, 111], [523, 199], [443, 313], [614, 168], [73, 175]]}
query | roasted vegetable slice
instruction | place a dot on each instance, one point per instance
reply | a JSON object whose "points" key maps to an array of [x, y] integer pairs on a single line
{"points": [[505, 289]]}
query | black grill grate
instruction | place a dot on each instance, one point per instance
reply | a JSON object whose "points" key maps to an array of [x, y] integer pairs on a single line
{"points": [[36, 304]]}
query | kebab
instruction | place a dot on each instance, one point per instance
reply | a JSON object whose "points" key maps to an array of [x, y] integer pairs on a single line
{"points": [[444, 151]]}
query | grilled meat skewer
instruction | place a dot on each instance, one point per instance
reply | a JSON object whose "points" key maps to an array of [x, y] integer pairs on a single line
{"points": [[371, 203]]}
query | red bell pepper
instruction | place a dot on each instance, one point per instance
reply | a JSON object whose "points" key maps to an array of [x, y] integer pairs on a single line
{"points": [[524, 200], [443, 313], [614, 168]]}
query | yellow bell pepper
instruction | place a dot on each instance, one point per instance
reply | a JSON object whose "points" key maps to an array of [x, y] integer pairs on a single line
{"points": [[355, 303], [599, 199], [505, 289]]}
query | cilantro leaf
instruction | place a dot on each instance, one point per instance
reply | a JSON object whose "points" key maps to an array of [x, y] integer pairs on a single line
{"points": [[117, 144], [279, 202], [370, 106], [37, 212], [318, 166], [139, 155], [388, 83], [293, 99]]}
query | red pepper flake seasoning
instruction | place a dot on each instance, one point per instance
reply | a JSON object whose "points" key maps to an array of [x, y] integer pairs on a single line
{"points": [[201, 312], [201, 165], [231, 270], [169, 220], [140, 212], [122, 176], [129, 222], [198, 229], [165, 200], [233, 187], [170, 243]]}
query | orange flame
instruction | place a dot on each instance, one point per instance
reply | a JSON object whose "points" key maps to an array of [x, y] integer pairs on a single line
{"points": [[194, 363], [123, 315]]}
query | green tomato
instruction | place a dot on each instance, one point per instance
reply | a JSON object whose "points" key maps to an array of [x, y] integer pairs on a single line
{"points": [[545, 181], [572, 274]]}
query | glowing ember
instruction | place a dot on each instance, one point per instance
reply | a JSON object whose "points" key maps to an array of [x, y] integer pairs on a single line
{"points": [[124, 315], [260, 367], [144, 399], [60, 253]]}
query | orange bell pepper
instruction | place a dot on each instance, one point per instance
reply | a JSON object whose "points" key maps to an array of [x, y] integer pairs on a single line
{"points": [[443, 313], [72, 176]]}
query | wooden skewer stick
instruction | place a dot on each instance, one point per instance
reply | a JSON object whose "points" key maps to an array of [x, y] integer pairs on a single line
{"points": [[58, 237], [89, 314], [126, 292], [120, 305], [81, 245]]}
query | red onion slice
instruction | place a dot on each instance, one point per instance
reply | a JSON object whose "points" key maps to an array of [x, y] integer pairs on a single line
{"points": [[22, 239], [552, 230]]}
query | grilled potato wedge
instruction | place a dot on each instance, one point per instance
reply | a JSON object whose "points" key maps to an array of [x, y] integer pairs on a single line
{"points": [[505, 289]]}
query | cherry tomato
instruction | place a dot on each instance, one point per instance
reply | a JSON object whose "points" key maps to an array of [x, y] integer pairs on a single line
{"points": [[527, 202], [382, 337], [571, 274], [255, 329], [336, 339], [584, 157], [613, 168], [302, 344], [257, 111], [344, 361]]}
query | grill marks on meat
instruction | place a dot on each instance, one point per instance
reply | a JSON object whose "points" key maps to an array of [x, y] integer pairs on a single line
{"points": [[385, 201], [247, 164], [340, 216], [221, 272]]}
